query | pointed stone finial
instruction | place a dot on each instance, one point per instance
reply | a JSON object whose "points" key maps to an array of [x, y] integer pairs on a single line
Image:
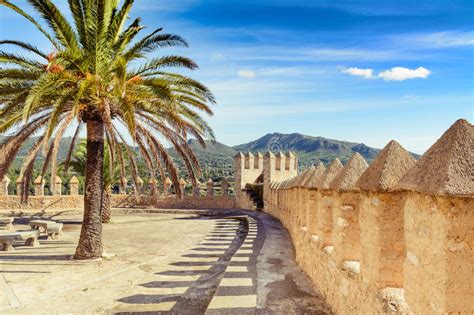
{"points": [[152, 186], [18, 184], [197, 189], [123, 185], [57, 186], [39, 186], [166, 186], [314, 176], [387, 169], [446, 168], [225, 187], [210, 187], [4, 185], [38, 180], [139, 184], [74, 186], [330, 173], [182, 185], [350, 173]]}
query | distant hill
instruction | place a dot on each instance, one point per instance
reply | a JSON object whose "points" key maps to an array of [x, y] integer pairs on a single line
{"points": [[217, 158], [310, 150]]}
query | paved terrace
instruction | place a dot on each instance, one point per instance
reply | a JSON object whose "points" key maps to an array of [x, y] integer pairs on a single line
{"points": [[170, 263]]}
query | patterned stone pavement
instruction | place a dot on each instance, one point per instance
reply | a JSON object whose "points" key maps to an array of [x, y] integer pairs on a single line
{"points": [[226, 273], [229, 262]]}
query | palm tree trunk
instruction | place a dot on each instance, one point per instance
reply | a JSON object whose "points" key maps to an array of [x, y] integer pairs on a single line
{"points": [[106, 205], [90, 241]]}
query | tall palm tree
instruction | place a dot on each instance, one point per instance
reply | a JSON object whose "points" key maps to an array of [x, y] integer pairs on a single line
{"points": [[88, 80], [111, 173]]}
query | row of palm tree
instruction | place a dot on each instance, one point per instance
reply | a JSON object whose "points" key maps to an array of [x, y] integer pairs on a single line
{"points": [[101, 76]]}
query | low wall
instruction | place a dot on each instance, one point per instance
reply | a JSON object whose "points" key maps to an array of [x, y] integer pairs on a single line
{"points": [[382, 252], [68, 202]]}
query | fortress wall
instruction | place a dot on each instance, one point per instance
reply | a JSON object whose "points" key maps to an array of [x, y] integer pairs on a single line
{"points": [[346, 236], [395, 238], [74, 201], [9, 204], [384, 251], [439, 265]]}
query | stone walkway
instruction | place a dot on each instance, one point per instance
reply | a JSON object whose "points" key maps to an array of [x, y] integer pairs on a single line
{"points": [[243, 264]]}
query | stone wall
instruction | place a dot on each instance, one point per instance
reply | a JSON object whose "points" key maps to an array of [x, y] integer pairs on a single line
{"points": [[165, 200], [46, 203], [393, 237], [251, 168]]}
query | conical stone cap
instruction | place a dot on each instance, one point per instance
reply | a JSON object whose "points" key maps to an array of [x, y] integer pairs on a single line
{"points": [[6, 179], [168, 181], [182, 182], [302, 177], [447, 167], [74, 180], [38, 180], [139, 180], [386, 170], [330, 173], [314, 176], [350, 173]]}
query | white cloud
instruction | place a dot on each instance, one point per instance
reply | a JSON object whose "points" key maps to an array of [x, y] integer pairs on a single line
{"points": [[247, 74], [393, 74], [366, 73], [401, 74], [446, 39]]}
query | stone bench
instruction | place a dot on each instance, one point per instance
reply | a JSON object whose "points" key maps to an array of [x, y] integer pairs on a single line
{"points": [[7, 239], [7, 222], [52, 228]]}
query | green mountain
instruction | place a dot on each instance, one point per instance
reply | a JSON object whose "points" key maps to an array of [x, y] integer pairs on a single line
{"points": [[217, 158], [310, 150]]}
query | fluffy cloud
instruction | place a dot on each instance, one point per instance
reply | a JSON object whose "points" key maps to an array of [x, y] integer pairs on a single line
{"points": [[401, 74], [366, 73], [247, 74], [393, 74]]}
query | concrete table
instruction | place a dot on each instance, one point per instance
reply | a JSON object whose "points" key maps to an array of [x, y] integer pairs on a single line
{"points": [[7, 222], [7, 239], [52, 228]]}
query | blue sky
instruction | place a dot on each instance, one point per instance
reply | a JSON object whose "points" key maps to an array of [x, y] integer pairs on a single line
{"points": [[362, 71]]}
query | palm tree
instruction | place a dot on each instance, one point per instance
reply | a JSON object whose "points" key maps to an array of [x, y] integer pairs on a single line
{"points": [[88, 80], [111, 174]]}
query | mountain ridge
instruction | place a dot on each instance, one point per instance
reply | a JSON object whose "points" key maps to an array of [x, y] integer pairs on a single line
{"points": [[309, 149]]}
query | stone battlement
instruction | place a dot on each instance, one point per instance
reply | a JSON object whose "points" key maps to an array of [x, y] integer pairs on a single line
{"points": [[261, 169], [395, 236]]}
